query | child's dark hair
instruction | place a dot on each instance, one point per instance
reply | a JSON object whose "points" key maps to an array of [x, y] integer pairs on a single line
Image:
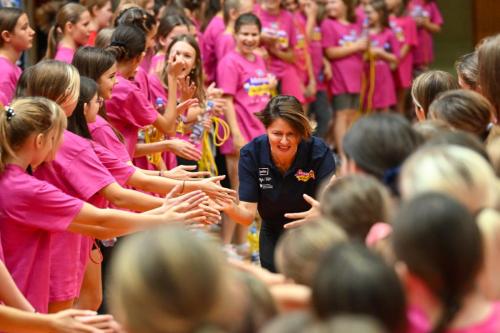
{"points": [[489, 71], [77, 122], [8, 19], [227, 7], [351, 14], [353, 280], [247, 19], [380, 7], [341, 200], [402, 9], [467, 68], [379, 144], [464, 110], [440, 242], [92, 62], [127, 42], [212, 8], [196, 74], [169, 22], [137, 17]]}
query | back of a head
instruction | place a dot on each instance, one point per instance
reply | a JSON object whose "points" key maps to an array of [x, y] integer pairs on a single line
{"points": [[293, 322], [427, 86], [54, 80], [356, 203], [440, 243], [353, 280], [489, 71], [127, 42], [430, 128], [347, 323], [453, 170], [459, 138], [467, 68], [103, 38], [380, 143], [299, 250], [464, 110], [176, 284]]}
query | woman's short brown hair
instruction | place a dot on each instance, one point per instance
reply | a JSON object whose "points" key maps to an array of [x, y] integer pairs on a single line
{"points": [[289, 109]]}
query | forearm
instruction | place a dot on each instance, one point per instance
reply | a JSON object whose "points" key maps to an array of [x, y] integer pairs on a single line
{"points": [[340, 51], [405, 50], [137, 201], [389, 57], [9, 292], [143, 149], [231, 116], [287, 56], [170, 114], [240, 214], [13, 320], [155, 184], [431, 27]]}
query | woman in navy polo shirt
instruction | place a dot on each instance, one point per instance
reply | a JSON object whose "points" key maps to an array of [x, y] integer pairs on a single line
{"points": [[276, 169]]}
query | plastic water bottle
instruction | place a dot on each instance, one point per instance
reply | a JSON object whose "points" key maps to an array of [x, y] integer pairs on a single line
{"points": [[253, 240], [198, 128], [160, 105], [109, 242]]}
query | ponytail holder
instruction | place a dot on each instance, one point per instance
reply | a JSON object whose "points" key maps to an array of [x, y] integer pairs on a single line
{"points": [[9, 111], [117, 43], [390, 175]]}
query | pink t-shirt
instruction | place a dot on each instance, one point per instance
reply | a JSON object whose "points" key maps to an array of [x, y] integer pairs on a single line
{"points": [[158, 61], [121, 171], [405, 30], [247, 81], [346, 71], [31, 211], [213, 29], [384, 94], [316, 51], [424, 53], [78, 172], [302, 46], [8, 80], [129, 110], [360, 15], [418, 323], [281, 26], [103, 133], [64, 54], [225, 43], [141, 80]]}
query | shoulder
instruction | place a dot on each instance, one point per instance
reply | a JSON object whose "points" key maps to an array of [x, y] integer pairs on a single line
{"points": [[318, 149], [255, 147]]}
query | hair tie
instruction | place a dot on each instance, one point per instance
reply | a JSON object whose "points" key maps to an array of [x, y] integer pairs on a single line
{"points": [[390, 175], [117, 43], [10, 112]]}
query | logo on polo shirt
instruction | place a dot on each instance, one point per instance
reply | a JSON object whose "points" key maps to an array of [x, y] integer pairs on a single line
{"points": [[303, 176], [265, 179]]}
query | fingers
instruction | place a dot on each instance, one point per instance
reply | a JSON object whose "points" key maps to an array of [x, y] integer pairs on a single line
{"points": [[185, 167], [174, 191], [198, 174], [295, 224], [310, 200], [77, 313], [296, 216]]}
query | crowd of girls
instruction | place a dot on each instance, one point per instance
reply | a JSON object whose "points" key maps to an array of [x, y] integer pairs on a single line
{"points": [[124, 126]]}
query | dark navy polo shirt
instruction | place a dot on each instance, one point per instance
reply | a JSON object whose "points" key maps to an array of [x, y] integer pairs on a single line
{"points": [[277, 194]]}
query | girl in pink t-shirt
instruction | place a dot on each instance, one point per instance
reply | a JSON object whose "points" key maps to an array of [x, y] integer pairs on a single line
{"points": [[17, 37], [129, 109], [213, 29], [405, 29], [69, 33], [380, 92], [343, 45], [279, 39], [429, 21], [438, 245], [32, 211]]}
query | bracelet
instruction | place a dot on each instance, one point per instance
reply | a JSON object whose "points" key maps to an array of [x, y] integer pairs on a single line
{"points": [[183, 183]]}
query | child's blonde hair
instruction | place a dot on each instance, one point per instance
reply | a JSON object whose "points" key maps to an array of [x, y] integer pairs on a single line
{"points": [[494, 153], [489, 224], [427, 86], [456, 171], [167, 279], [24, 117], [299, 250]]}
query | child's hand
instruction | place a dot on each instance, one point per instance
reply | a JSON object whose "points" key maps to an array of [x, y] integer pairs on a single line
{"points": [[214, 92], [183, 106], [362, 44], [273, 81], [186, 88], [184, 149], [219, 107], [377, 51], [327, 70], [175, 66], [311, 9], [311, 89]]}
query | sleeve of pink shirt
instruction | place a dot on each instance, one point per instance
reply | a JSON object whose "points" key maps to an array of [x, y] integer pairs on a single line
{"points": [[435, 14], [292, 32], [411, 34], [88, 175], [393, 41], [328, 34], [118, 169], [46, 207], [227, 76], [139, 110], [105, 136]]}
